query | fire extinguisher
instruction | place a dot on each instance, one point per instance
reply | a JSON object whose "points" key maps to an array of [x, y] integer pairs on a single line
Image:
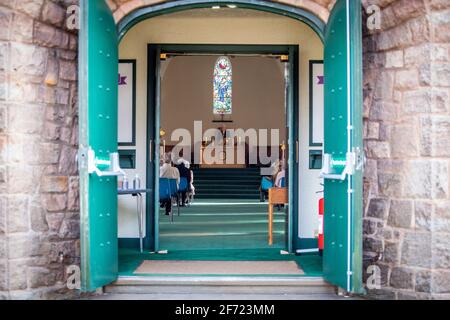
{"points": [[321, 213]]}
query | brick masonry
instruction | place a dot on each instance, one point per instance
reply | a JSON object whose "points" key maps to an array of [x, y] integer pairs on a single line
{"points": [[406, 137]]}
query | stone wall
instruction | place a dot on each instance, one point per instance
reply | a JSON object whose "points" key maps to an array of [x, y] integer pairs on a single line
{"points": [[406, 129], [39, 216], [407, 143]]}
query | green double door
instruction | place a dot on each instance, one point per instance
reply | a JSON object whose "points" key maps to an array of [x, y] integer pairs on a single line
{"points": [[98, 74]]}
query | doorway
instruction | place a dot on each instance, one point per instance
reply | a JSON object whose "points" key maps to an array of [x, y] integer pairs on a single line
{"points": [[339, 274], [232, 184]]}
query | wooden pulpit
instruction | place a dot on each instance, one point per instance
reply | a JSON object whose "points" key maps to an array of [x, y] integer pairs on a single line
{"points": [[276, 196]]}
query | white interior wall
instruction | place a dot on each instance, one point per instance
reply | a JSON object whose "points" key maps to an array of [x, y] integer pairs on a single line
{"points": [[258, 91], [225, 26]]}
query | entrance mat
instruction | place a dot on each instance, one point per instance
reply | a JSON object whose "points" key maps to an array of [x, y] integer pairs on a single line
{"points": [[219, 267]]}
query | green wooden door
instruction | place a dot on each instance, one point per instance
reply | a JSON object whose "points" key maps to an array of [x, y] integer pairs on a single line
{"points": [[343, 159], [98, 159]]}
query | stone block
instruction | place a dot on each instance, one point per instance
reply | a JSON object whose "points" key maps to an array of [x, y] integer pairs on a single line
{"points": [[3, 282], [41, 277], [416, 249], [22, 179], [377, 149], [440, 74], [440, 21], [55, 202], [402, 278], [68, 70], [4, 56], [70, 229], [30, 7], [38, 219], [423, 212], [390, 184], [67, 163], [3, 211], [48, 36], [383, 110], [49, 153], [394, 59], [372, 130], [29, 124], [426, 179], [17, 275], [378, 208], [391, 252], [74, 194], [28, 59], [6, 17], [435, 136], [441, 218], [54, 14], [55, 184], [369, 227], [384, 87], [404, 141], [22, 245], [423, 281], [417, 101], [372, 245], [401, 214], [52, 131], [406, 79], [441, 251], [22, 29], [18, 214], [441, 281], [54, 221]]}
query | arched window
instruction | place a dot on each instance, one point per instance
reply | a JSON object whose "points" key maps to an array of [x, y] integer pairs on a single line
{"points": [[222, 86]]}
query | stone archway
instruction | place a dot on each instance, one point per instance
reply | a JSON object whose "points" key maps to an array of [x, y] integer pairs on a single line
{"points": [[320, 8]]}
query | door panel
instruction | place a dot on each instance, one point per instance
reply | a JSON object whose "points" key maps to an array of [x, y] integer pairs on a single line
{"points": [[98, 141], [153, 141], [342, 168]]}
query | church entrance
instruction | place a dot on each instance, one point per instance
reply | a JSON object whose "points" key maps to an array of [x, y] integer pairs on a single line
{"points": [[206, 176], [223, 124]]}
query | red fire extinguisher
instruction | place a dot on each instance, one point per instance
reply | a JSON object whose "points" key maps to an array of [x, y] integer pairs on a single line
{"points": [[321, 213]]}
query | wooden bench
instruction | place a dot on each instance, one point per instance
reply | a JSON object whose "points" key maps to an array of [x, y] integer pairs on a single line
{"points": [[276, 196]]}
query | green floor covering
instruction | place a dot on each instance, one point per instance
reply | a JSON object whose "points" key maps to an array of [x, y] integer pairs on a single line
{"points": [[223, 230], [221, 224]]}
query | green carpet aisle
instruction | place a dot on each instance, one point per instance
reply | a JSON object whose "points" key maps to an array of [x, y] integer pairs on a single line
{"points": [[220, 230], [221, 224]]}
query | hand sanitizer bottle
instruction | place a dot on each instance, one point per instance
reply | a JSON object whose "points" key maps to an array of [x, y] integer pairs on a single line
{"points": [[125, 183], [136, 182]]}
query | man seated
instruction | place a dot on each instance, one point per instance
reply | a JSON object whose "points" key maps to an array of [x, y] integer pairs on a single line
{"points": [[170, 172]]}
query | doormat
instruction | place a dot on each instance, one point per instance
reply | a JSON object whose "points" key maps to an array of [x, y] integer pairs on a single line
{"points": [[219, 267]]}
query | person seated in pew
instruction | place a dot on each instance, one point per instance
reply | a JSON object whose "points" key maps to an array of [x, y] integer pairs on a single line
{"points": [[279, 177], [167, 170], [185, 173]]}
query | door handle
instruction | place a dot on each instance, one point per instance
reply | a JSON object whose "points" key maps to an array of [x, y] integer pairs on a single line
{"points": [[296, 151], [150, 150], [112, 164], [329, 165]]}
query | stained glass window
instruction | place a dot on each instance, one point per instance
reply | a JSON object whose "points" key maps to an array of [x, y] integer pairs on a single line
{"points": [[222, 86]]}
